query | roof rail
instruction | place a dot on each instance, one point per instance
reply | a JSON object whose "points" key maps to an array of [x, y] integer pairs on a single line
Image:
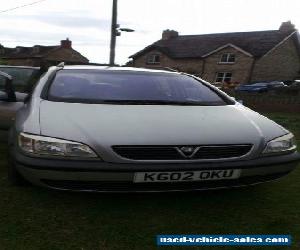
{"points": [[61, 65], [170, 69], [164, 68]]}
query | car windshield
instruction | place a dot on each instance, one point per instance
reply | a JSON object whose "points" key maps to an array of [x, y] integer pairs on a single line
{"points": [[128, 87], [23, 78]]}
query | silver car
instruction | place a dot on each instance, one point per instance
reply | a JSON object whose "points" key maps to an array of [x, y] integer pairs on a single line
{"points": [[91, 128]]}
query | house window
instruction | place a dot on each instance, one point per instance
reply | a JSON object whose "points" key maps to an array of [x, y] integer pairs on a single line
{"points": [[223, 77], [227, 58], [153, 59]]}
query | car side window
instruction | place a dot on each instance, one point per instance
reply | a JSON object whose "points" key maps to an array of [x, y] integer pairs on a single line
{"points": [[23, 78]]}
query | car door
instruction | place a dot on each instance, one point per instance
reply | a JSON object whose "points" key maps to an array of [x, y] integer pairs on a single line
{"points": [[8, 107]]}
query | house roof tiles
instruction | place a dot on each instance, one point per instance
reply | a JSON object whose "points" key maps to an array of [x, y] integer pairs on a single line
{"points": [[256, 43]]}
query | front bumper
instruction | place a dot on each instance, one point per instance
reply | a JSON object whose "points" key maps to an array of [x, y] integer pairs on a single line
{"points": [[118, 177]]}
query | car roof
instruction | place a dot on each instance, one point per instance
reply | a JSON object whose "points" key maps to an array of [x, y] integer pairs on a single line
{"points": [[114, 68], [19, 67]]}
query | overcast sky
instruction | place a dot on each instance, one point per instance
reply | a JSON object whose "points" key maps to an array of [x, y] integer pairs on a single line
{"points": [[87, 22]]}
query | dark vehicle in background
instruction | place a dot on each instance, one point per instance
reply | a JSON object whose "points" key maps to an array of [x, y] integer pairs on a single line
{"points": [[260, 87], [276, 84], [295, 84], [253, 88], [23, 79]]}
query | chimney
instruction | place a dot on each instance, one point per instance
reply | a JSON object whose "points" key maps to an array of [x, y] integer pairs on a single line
{"points": [[19, 49], [287, 27], [36, 48], [66, 44], [169, 34]]}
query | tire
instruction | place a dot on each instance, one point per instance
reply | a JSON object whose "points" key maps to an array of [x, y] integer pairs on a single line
{"points": [[14, 177]]}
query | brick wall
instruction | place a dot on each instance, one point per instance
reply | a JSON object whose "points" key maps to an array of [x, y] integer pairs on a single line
{"points": [[206, 68], [66, 55], [240, 69], [23, 62], [59, 55], [282, 63]]}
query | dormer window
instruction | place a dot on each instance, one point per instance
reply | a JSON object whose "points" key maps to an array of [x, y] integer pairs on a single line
{"points": [[227, 58], [153, 59]]}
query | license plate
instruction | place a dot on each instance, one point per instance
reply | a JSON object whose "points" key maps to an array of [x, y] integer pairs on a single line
{"points": [[180, 176]]}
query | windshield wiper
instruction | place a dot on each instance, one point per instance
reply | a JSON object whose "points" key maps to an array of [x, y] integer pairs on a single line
{"points": [[156, 102]]}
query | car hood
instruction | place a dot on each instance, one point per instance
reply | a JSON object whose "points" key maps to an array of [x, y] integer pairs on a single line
{"points": [[102, 126]]}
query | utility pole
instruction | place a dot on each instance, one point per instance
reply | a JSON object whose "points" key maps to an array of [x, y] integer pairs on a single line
{"points": [[114, 34], [115, 31]]}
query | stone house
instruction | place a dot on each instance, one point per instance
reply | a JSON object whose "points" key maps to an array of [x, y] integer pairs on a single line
{"points": [[238, 57], [39, 55]]}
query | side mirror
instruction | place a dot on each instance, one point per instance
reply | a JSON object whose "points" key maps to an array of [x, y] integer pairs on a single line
{"points": [[8, 93]]}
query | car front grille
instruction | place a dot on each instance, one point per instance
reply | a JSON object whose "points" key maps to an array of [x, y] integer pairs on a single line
{"points": [[175, 152]]}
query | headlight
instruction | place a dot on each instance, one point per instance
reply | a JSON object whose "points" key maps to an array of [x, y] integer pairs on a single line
{"points": [[281, 144], [42, 145]]}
